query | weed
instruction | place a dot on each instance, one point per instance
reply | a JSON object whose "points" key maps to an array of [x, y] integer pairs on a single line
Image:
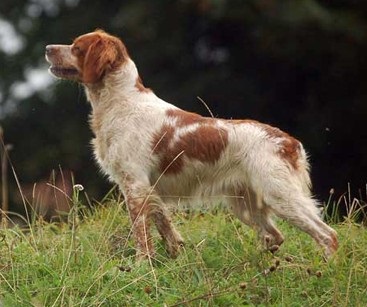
{"points": [[346, 208]]}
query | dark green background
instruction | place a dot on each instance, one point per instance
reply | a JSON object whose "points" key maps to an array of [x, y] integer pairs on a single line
{"points": [[296, 64]]}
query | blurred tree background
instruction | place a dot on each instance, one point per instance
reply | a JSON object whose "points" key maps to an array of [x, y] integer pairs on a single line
{"points": [[297, 64]]}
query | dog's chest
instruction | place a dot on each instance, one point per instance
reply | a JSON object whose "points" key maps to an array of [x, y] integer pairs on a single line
{"points": [[123, 145]]}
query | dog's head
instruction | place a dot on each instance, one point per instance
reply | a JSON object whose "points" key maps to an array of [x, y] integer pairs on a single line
{"points": [[88, 58]]}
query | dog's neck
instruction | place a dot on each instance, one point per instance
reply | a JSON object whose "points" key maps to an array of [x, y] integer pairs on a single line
{"points": [[120, 86]]}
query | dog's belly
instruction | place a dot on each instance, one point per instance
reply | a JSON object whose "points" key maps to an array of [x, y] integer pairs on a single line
{"points": [[198, 182]]}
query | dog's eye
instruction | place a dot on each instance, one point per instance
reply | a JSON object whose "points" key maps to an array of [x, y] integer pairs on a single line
{"points": [[76, 50]]}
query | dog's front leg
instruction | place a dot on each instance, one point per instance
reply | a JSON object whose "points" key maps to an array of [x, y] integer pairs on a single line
{"points": [[139, 207], [140, 219]]}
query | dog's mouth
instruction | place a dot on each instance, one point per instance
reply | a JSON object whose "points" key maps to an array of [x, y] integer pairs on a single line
{"points": [[64, 72]]}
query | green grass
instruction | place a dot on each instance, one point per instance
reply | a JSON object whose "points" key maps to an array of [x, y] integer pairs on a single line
{"points": [[89, 261]]}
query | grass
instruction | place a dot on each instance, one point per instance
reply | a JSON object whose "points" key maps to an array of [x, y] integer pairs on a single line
{"points": [[89, 261]]}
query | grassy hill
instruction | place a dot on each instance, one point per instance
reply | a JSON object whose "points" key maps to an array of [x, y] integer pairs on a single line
{"points": [[89, 261]]}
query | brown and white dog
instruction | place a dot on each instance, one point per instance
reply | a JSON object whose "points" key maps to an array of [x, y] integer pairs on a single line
{"points": [[158, 153]]}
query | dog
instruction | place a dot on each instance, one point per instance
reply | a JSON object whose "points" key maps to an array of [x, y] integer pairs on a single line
{"points": [[158, 153]]}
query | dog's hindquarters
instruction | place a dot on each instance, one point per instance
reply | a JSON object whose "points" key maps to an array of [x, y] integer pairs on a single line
{"points": [[284, 190]]}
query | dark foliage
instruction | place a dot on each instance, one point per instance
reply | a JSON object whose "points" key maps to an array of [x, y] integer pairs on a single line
{"points": [[299, 65]]}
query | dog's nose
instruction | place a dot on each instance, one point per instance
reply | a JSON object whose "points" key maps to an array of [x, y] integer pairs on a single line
{"points": [[49, 49]]}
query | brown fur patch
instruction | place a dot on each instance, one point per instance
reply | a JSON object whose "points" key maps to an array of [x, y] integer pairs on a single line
{"points": [[205, 144], [171, 158], [335, 243], [290, 146], [243, 121], [140, 86]]}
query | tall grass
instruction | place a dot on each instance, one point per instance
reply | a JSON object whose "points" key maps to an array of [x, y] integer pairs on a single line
{"points": [[346, 208], [89, 261]]}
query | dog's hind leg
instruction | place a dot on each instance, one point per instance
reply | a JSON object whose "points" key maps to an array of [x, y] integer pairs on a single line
{"points": [[301, 211], [250, 209]]}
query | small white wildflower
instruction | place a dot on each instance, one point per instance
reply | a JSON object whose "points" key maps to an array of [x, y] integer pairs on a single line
{"points": [[78, 187]]}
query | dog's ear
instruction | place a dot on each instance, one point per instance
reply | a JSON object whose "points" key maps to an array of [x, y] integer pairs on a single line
{"points": [[102, 55]]}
